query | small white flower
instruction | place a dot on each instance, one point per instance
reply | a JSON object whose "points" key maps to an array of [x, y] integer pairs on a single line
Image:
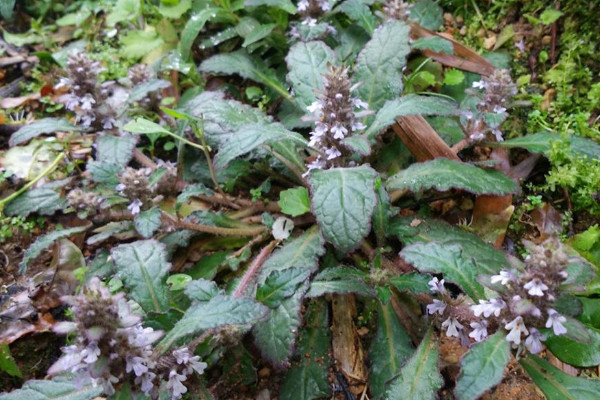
{"points": [[87, 101], [136, 364], [315, 106], [339, 96], [503, 277], [499, 109], [358, 103], [535, 287], [452, 327], [91, 353], [303, 5], [533, 341], [358, 126], [332, 153], [147, 382], [479, 331], [488, 307], [135, 207], [339, 131], [436, 307], [516, 327], [479, 85], [324, 6], [555, 320], [436, 286], [175, 386], [498, 135], [309, 21]]}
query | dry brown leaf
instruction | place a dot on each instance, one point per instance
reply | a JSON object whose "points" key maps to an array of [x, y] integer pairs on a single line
{"points": [[12, 102]]}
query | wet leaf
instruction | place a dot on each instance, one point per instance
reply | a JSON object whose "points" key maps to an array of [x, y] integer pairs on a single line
{"points": [[40, 127], [58, 388], [294, 201]]}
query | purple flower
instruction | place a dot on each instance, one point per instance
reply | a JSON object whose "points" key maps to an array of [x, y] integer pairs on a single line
{"points": [[503, 277], [332, 153], [436, 307], [358, 103], [479, 331], [436, 286], [534, 341], [317, 105], [175, 386], [555, 321], [135, 206], [136, 364], [488, 307], [339, 132]]}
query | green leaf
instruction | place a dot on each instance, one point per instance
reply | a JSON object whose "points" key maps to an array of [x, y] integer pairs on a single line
{"points": [[419, 378], [307, 62], [359, 11], [550, 15], [6, 8], [143, 126], [219, 311], [252, 31], [123, 10], [576, 353], [276, 335], [281, 285], [40, 127], [542, 142], [201, 290], [147, 222], [104, 173], [390, 347], [143, 267], [557, 385], [42, 200], [307, 379], [247, 66], [343, 201], [321, 287], [109, 230], [174, 11], [487, 258], [136, 44], [411, 104], [58, 388], [443, 174], [294, 201], [191, 30], [482, 367], [22, 39], [381, 216], [250, 137], [190, 191], [358, 144], [434, 43], [379, 64], [142, 90], [43, 242], [453, 77], [7, 362], [285, 5], [115, 149], [449, 260], [427, 13], [412, 282]]}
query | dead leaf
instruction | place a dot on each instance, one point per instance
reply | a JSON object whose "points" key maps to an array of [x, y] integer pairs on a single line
{"points": [[12, 102], [547, 221]]}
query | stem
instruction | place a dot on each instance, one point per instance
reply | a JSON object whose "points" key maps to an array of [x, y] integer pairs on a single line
{"points": [[289, 165], [250, 274], [215, 230], [35, 180]]}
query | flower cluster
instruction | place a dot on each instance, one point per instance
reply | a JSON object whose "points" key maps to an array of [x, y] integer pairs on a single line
{"points": [[111, 341], [397, 9], [83, 202], [524, 305], [139, 74], [112, 348], [495, 92], [87, 97], [336, 118], [135, 185], [310, 11]]}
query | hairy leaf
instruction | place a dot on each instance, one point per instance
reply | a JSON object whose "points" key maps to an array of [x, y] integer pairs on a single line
{"points": [[307, 62], [379, 64], [143, 267], [487, 258], [43, 242], [250, 137], [381, 216], [142, 90], [541, 143], [359, 11], [390, 347], [434, 43], [482, 367], [343, 200], [147, 222], [427, 13], [294, 201], [411, 104], [219, 311], [104, 173], [40, 127], [419, 378], [307, 379], [557, 385], [444, 174], [201, 290], [412, 282], [58, 388], [142, 125], [579, 354], [247, 66], [280, 285], [42, 200], [449, 260], [109, 230], [330, 281], [116, 150]]}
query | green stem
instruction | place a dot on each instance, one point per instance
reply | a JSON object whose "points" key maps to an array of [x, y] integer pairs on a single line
{"points": [[35, 180]]}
